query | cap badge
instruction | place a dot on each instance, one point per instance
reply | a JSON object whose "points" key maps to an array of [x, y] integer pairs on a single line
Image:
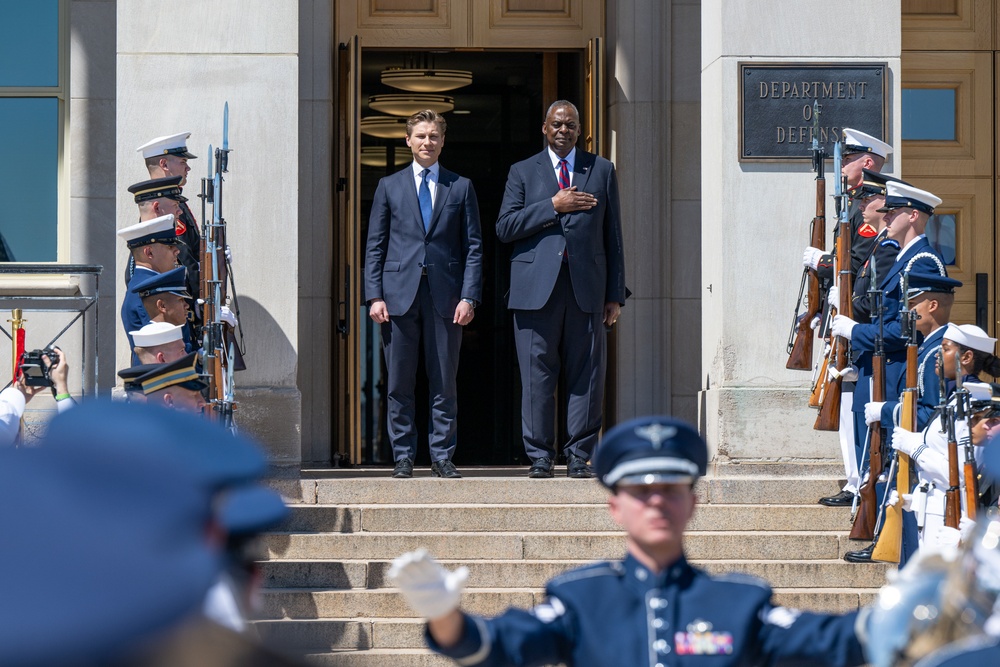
{"points": [[656, 433]]}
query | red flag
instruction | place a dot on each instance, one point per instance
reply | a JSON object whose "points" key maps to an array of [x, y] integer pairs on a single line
{"points": [[18, 352]]}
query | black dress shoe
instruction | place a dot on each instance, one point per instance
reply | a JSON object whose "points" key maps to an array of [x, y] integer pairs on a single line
{"points": [[577, 468], [842, 499], [541, 468], [445, 468], [860, 556], [403, 469]]}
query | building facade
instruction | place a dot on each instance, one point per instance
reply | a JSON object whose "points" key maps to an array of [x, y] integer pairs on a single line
{"points": [[712, 243]]}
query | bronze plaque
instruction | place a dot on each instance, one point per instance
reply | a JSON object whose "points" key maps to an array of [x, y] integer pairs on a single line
{"points": [[776, 107]]}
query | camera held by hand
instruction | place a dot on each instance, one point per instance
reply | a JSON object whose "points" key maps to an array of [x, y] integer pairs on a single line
{"points": [[35, 370]]}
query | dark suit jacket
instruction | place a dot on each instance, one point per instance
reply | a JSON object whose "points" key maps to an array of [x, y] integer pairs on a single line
{"points": [[399, 250], [540, 235]]}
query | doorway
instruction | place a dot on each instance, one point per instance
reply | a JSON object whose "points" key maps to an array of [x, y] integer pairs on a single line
{"points": [[496, 121]]}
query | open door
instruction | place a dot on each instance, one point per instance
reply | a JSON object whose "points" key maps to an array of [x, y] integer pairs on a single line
{"points": [[595, 98], [347, 255]]}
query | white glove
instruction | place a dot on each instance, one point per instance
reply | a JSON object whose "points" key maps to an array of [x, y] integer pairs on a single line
{"points": [[966, 527], [429, 589], [905, 442], [229, 254], [893, 499], [815, 322], [849, 374], [833, 296], [842, 326], [228, 317], [873, 412], [907, 501], [811, 257], [941, 539]]}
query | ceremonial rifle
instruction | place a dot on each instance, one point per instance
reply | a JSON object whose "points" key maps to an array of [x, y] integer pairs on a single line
{"points": [[969, 469], [952, 498], [867, 516], [829, 410], [888, 547], [800, 337], [216, 354]]}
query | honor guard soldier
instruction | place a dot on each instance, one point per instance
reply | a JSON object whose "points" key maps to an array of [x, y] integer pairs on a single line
{"points": [[159, 343], [869, 196], [164, 298], [652, 608], [153, 247], [130, 382], [167, 157], [175, 385]]}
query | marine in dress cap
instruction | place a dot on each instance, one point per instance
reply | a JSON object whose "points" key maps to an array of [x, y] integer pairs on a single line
{"points": [[158, 230], [970, 336], [113, 553], [183, 372], [651, 450], [172, 281], [903, 195], [157, 333], [931, 282], [156, 188], [172, 144], [131, 375], [856, 141], [873, 184]]}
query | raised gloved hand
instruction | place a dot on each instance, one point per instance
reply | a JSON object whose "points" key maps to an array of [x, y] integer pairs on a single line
{"points": [[811, 257], [906, 442], [429, 589], [228, 317], [842, 326], [873, 412]]}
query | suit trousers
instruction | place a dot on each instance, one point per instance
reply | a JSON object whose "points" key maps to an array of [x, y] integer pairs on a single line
{"points": [[441, 338], [561, 336]]}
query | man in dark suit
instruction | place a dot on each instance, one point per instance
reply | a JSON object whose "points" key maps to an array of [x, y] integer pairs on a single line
{"points": [[423, 281], [567, 283]]}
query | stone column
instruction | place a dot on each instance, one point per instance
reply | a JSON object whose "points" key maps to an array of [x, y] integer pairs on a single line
{"points": [[178, 63], [755, 220], [653, 91]]}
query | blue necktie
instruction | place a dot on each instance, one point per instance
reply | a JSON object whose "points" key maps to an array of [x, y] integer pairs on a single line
{"points": [[424, 197]]}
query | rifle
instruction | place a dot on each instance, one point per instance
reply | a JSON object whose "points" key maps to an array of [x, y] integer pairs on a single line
{"points": [[867, 516], [829, 410], [952, 498], [888, 546], [217, 356], [969, 469], [800, 337]]}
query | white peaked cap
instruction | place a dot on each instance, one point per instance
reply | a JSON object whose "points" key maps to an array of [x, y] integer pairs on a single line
{"points": [[157, 230], [157, 333], [971, 336], [171, 144], [857, 141]]}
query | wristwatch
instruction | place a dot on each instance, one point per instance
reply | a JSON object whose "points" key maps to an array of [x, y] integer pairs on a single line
{"points": [[471, 302]]}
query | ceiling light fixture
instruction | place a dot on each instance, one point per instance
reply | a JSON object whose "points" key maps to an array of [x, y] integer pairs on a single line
{"points": [[375, 156], [384, 127], [426, 80], [407, 104]]}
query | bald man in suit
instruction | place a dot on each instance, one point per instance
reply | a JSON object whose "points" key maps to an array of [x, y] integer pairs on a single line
{"points": [[567, 284], [423, 281]]}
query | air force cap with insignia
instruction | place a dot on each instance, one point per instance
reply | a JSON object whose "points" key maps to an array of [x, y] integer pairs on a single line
{"points": [[903, 195], [173, 281], [172, 144], [856, 141], [651, 450], [157, 230]]}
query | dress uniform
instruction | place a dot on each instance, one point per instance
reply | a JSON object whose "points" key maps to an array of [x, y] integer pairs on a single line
{"points": [[171, 282], [157, 230], [627, 613]]}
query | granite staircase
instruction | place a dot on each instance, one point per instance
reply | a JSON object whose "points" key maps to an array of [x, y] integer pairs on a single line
{"points": [[327, 595]]}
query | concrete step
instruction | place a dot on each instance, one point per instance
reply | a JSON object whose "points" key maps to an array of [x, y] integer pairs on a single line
{"points": [[547, 518], [378, 658], [741, 485], [345, 575], [703, 545]]}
